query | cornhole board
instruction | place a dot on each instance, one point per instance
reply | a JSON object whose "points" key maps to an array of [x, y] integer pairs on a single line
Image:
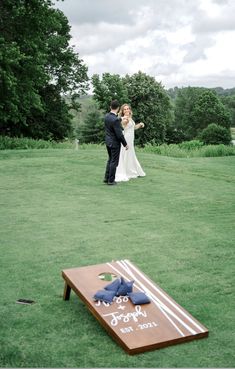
{"points": [[137, 328]]}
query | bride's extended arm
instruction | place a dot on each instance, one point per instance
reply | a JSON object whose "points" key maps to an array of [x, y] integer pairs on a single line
{"points": [[139, 125]]}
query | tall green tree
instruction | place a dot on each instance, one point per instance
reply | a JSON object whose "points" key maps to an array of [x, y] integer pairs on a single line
{"points": [[195, 109], [37, 67], [184, 106], [209, 109], [92, 128], [229, 102], [151, 105]]}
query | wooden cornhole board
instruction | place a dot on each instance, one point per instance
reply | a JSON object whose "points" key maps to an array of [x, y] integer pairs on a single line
{"points": [[137, 328]]}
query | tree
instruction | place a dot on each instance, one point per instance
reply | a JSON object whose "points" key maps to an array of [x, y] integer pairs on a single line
{"points": [[92, 129], [172, 92], [151, 105], [37, 67], [184, 106], [220, 91], [229, 103], [209, 109], [55, 120], [195, 109]]}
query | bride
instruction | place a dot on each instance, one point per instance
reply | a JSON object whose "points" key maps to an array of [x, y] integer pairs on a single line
{"points": [[128, 166]]}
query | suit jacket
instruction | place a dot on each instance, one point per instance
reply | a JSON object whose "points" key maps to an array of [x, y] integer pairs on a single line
{"points": [[113, 131]]}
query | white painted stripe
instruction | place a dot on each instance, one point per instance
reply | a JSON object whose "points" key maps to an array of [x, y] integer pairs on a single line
{"points": [[166, 298], [118, 272], [152, 298], [156, 299]]}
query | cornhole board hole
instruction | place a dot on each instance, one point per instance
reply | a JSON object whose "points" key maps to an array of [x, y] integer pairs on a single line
{"points": [[137, 328]]}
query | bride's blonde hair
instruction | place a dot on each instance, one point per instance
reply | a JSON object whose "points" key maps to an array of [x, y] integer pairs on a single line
{"points": [[121, 112]]}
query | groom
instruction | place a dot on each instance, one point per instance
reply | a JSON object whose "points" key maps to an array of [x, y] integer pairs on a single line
{"points": [[113, 139]]}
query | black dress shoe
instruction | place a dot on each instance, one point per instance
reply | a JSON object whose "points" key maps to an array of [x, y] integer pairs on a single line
{"points": [[105, 181], [112, 183]]}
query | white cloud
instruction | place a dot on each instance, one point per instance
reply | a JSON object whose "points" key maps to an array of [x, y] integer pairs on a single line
{"points": [[196, 49], [215, 17], [177, 41]]}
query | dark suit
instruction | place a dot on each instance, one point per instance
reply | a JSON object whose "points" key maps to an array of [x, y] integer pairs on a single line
{"points": [[113, 139]]}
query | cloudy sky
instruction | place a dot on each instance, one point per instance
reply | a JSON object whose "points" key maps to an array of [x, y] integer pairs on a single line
{"points": [[179, 42]]}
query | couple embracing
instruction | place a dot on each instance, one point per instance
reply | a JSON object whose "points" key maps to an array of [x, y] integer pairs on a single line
{"points": [[122, 163]]}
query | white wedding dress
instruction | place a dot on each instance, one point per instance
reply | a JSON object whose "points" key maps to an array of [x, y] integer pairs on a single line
{"points": [[128, 166]]}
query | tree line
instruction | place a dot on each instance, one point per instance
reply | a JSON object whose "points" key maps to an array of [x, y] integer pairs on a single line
{"points": [[43, 82], [194, 113]]}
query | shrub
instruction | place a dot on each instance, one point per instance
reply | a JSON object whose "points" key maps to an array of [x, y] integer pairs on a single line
{"points": [[166, 150], [217, 150], [215, 135], [191, 145], [176, 151], [10, 143]]}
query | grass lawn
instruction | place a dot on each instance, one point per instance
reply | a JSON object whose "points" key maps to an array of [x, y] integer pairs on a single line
{"points": [[176, 225]]}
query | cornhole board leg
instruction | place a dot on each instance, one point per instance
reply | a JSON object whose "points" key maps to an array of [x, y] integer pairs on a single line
{"points": [[67, 291], [137, 328]]}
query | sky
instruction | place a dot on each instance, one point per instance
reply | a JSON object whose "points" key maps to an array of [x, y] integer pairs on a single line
{"points": [[179, 42]]}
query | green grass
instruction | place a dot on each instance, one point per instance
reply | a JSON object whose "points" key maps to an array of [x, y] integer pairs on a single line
{"points": [[176, 224]]}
